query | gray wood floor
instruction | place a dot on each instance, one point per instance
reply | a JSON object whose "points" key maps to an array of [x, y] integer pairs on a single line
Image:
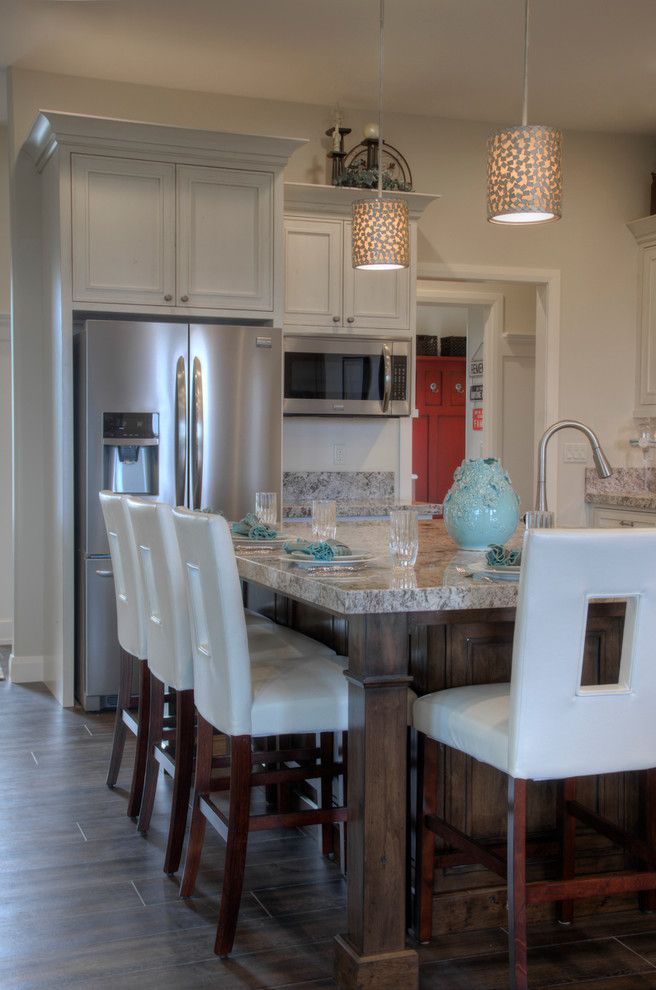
{"points": [[84, 902]]}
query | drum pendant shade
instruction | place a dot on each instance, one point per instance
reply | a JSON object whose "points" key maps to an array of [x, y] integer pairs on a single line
{"points": [[524, 176], [380, 234]]}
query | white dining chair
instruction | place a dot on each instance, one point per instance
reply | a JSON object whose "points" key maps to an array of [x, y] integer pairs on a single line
{"points": [[131, 627], [550, 723], [246, 698], [170, 739]]}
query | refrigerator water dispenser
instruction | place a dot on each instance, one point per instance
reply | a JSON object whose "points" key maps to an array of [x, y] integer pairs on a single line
{"points": [[131, 453]]}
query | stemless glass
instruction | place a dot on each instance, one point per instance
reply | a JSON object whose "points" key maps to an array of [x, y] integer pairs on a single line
{"points": [[324, 519], [403, 537], [266, 507]]}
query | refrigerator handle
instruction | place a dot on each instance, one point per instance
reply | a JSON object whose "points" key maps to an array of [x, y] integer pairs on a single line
{"points": [[197, 436], [180, 430]]}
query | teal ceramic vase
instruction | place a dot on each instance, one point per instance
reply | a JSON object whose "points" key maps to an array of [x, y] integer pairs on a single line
{"points": [[481, 507]]}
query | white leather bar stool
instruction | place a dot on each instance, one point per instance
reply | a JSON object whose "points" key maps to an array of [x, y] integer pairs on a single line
{"points": [[244, 700], [169, 658], [130, 620], [547, 725]]}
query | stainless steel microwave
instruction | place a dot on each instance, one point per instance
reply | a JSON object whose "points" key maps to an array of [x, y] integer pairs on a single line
{"points": [[347, 376]]}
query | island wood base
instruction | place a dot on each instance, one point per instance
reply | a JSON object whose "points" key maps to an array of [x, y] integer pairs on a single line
{"points": [[384, 971]]}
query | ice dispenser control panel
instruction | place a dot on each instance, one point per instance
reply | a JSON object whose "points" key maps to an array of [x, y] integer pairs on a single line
{"points": [[131, 452]]}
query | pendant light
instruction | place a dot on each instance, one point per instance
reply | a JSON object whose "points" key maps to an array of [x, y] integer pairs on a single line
{"points": [[380, 226], [524, 180]]}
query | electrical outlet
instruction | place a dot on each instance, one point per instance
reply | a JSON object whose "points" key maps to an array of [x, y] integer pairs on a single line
{"points": [[339, 453], [576, 453]]}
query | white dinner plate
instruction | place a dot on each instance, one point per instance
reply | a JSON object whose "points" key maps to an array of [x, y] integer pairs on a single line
{"points": [[245, 541], [357, 557]]}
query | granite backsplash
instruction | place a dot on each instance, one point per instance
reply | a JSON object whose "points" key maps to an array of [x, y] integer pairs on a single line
{"points": [[303, 486]]}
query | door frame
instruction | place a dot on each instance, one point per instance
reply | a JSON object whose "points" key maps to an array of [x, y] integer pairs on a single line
{"points": [[547, 339]]}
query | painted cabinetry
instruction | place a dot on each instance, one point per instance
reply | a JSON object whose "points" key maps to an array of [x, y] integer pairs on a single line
{"points": [[323, 289], [644, 231], [610, 518], [438, 433], [173, 235]]}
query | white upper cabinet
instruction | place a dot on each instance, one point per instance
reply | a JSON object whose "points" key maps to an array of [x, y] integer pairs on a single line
{"points": [[123, 216], [323, 289], [224, 238], [375, 299], [179, 236], [313, 272]]}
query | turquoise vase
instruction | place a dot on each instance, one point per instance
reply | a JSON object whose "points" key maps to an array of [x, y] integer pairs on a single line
{"points": [[481, 507]]}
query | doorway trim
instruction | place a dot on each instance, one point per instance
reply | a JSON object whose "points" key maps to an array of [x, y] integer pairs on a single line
{"points": [[547, 335]]}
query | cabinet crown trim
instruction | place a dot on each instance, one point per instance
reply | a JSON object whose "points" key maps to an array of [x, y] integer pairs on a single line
{"points": [[124, 137], [308, 197], [644, 229]]}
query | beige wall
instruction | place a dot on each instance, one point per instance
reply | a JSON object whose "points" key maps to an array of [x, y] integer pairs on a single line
{"points": [[5, 400], [606, 184]]}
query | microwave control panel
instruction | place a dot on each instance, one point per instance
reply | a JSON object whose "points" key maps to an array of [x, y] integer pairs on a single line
{"points": [[399, 378]]}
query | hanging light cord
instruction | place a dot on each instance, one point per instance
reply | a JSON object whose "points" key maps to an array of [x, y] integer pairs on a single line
{"points": [[380, 99], [525, 93]]}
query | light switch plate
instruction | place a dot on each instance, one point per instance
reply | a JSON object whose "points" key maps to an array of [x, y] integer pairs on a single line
{"points": [[576, 453]]}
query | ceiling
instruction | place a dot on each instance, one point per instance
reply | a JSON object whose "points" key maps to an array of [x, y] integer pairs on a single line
{"points": [[592, 62]]}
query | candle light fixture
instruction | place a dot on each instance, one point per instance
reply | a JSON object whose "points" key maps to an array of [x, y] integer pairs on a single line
{"points": [[380, 226], [524, 178]]}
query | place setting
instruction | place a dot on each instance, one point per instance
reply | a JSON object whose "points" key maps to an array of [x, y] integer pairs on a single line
{"points": [[324, 552]]}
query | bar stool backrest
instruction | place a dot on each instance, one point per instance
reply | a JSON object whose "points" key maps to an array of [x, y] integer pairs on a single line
{"points": [[128, 589], [218, 627], [558, 727], [169, 645]]}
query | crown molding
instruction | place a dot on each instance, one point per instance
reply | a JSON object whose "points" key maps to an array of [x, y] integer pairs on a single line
{"points": [[52, 130], [310, 197]]}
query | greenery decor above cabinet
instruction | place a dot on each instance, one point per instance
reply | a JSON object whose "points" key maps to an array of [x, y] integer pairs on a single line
{"points": [[158, 234], [322, 289]]}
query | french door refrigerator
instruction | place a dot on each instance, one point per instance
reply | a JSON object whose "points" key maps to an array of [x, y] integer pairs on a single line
{"points": [[189, 414]]}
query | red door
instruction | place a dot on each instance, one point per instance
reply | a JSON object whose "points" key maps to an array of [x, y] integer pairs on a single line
{"points": [[438, 434]]}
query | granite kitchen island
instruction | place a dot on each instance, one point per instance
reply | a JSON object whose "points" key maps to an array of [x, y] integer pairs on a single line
{"points": [[428, 627]]}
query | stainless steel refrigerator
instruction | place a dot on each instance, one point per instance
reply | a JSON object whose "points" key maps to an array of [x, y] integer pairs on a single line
{"points": [[189, 414]]}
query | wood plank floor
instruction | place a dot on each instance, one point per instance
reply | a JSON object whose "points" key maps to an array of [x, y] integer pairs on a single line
{"points": [[84, 902]]}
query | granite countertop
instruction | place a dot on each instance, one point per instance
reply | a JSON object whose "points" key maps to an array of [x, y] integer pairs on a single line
{"points": [[627, 488], [365, 508], [433, 584]]}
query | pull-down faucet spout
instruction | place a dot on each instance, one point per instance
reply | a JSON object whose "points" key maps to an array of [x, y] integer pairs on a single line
{"points": [[542, 517]]}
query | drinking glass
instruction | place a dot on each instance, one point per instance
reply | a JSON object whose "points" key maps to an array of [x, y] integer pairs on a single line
{"points": [[403, 537], [266, 507], [324, 519]]}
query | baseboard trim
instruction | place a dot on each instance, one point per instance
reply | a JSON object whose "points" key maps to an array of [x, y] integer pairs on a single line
{"points": [[26, 670], [6, 632]]}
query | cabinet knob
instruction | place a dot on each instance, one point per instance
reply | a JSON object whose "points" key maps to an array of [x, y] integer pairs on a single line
{"points": [[168, 297], [350, 319], [184, 298], [335, 319], [433, 386], [458, 387]]}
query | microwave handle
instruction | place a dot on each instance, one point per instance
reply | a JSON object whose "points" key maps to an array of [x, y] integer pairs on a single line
{"points": [[387, 366]]}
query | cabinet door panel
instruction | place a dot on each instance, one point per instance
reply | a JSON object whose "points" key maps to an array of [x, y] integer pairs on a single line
{"points": [[376, 300], [313, 272], [123, 230], [225, 234]]}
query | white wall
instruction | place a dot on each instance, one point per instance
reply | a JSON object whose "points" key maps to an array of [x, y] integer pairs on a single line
{"points": [[5, 401], [370, 445]]}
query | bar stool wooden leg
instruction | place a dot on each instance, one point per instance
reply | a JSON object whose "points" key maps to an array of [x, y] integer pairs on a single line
{"points": [[327, 747], [155, 730], [202, 785], [517, 883], [568, 845], [141, 755], [236, 843], [344, 828], [427, 783], [184, 764], [120, 728]]}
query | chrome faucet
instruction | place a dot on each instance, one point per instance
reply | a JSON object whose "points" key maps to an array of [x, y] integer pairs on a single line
{"points": [[541, 518]]}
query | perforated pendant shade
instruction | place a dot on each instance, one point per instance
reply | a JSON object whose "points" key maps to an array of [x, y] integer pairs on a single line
{"points": [[524, 175], [380, 234]]}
